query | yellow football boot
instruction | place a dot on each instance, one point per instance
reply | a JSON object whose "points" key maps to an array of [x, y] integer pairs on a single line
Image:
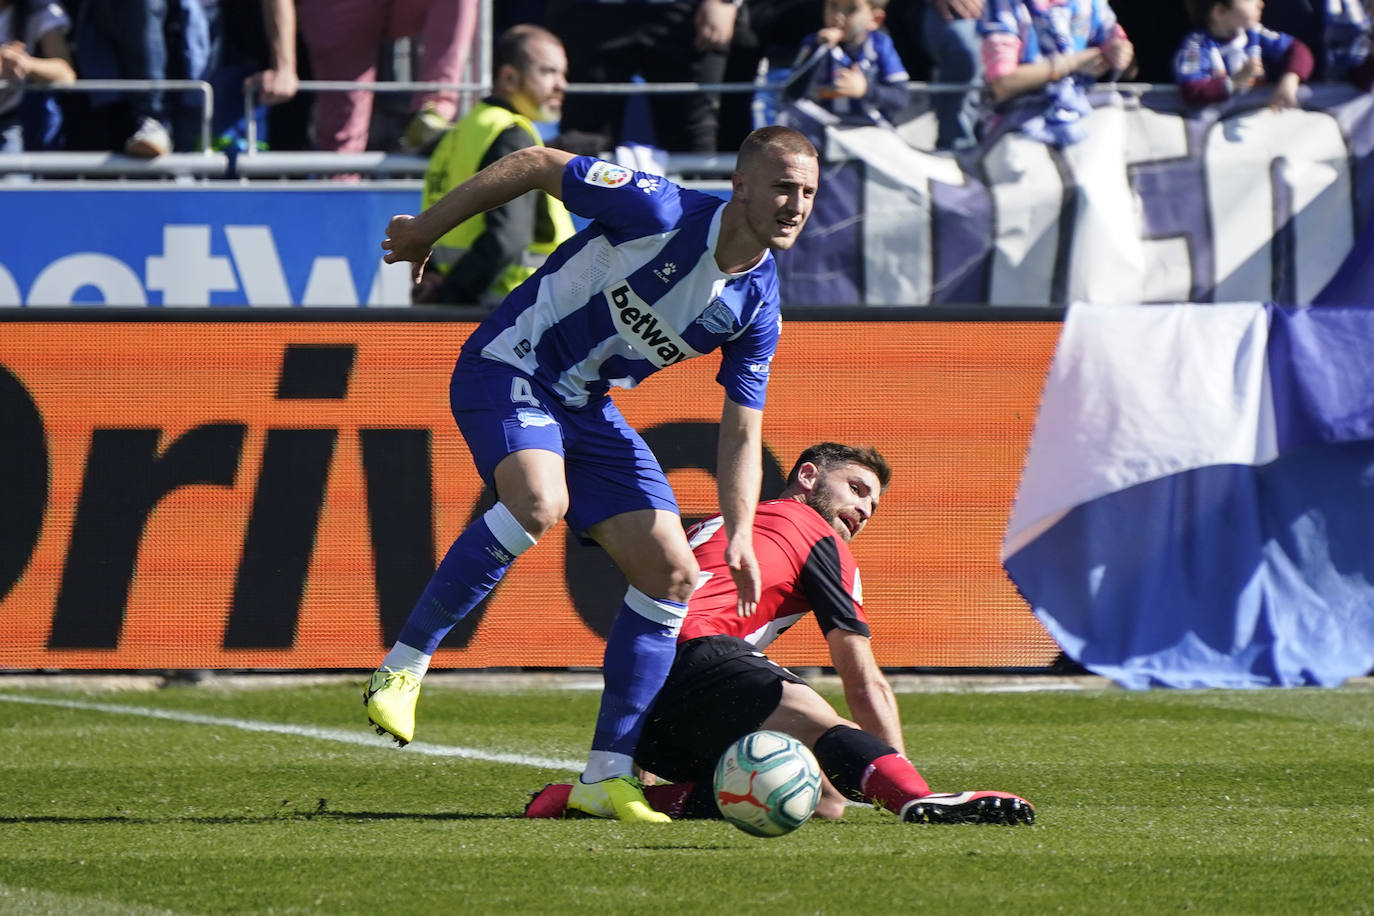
{"points": [[390, 697], [619, 798]]}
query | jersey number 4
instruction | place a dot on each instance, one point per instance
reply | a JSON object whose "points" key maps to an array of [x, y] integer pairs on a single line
{"points": [[520, 393]]}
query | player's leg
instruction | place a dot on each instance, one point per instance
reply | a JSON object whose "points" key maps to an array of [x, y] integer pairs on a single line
{"points": [[516, 444], [864, 768], [718, 689], [805, 715], [651, 550], [621, 500]]}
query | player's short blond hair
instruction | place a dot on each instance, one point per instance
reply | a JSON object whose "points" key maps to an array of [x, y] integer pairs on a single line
{"points": [[773, 141]]}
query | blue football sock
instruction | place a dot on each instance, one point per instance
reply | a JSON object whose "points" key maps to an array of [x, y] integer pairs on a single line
{"points": [[639, 652], [471, 568]]}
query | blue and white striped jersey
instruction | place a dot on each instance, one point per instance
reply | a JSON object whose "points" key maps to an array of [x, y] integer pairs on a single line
{"points": [[635, 291]]}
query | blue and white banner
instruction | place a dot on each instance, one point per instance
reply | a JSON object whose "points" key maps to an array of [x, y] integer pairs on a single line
{"points": [[1197, 504], [165, 245], [1159, 204]]}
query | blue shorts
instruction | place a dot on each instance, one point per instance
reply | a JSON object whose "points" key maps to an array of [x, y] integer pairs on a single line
{"points": [[608, 467]]}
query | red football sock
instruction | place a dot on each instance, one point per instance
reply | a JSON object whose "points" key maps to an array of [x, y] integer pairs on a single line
{"points": [[670, 799], [892, 781]]}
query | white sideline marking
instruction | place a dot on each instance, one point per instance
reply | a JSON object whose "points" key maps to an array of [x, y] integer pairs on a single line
{"points": [[364, 739], [32, 902]]}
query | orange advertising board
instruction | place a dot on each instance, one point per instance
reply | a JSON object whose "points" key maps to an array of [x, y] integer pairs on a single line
{"points": [[274, 494]]}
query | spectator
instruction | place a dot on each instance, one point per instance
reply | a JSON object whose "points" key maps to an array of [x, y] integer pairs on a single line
{"points": [[41, 28], [1348, 51], [851, 68], [483, 259], [1231, 52], [609, 41], [138, 40], [1054, 47], [1336, 31], [262, 47], [343, 38], [768, 34], [950, 31]]}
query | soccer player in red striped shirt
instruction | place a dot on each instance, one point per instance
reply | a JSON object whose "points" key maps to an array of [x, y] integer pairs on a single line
{"points": [[721, 685]]}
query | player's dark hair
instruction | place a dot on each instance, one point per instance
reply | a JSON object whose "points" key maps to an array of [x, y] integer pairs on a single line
{"points": [[826, 455], [773, 140], [513, 47]]}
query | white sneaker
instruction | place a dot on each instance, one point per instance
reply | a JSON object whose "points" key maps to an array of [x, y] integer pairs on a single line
{"points": [[149, 141]]}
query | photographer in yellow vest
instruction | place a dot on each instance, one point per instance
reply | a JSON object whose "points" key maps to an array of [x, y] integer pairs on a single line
{"points": [[483, 259]]}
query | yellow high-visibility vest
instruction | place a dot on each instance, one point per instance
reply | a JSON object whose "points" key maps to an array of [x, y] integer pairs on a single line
{"points": [[457, 158]]}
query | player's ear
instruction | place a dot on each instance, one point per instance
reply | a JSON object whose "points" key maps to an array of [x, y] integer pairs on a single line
{"points": [[808, 475]]}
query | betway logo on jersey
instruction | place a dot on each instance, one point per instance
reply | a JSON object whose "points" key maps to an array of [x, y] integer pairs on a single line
{"points": [[648, 333]]}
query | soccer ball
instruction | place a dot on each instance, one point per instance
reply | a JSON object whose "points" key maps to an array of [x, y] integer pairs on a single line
{"points": [[767, 783]]}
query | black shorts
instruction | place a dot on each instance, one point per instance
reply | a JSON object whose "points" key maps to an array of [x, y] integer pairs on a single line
{"points": [[719, 688]]}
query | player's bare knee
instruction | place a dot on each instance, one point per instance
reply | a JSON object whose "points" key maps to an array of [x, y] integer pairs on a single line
{"points": [[680, 579], [672, 579], [537, 513]]}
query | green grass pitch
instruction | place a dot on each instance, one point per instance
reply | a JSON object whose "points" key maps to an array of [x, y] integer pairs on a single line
{"points": [[277, 799]]}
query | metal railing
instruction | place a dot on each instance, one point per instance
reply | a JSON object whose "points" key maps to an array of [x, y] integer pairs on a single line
{"points": [[253, 163], [206, 91]]}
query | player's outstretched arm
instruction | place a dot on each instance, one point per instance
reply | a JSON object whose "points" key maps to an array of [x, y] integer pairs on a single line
{"points": [[739, 475], [866, 689], [410, 238]]}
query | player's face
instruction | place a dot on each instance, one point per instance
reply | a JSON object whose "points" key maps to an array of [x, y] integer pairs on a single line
{"points": [[846, 496], [778, 193], [539, 93]]}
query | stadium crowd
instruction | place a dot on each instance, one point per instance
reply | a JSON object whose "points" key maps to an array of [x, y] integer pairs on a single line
{"points": [[853, 57]]}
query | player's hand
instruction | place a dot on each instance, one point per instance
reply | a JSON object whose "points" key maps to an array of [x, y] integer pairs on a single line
{"points": [[744, 569], [404, 242]]}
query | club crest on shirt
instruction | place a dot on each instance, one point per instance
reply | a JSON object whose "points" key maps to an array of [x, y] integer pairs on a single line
{"points": [[607, 174], [718, 319], [530, 417]]}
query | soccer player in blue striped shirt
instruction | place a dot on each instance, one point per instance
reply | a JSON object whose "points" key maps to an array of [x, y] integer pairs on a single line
{"points": [[661, 274]]}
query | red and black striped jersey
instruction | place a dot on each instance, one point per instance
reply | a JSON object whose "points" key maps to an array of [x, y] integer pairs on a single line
{"points": [[803, 566]]}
